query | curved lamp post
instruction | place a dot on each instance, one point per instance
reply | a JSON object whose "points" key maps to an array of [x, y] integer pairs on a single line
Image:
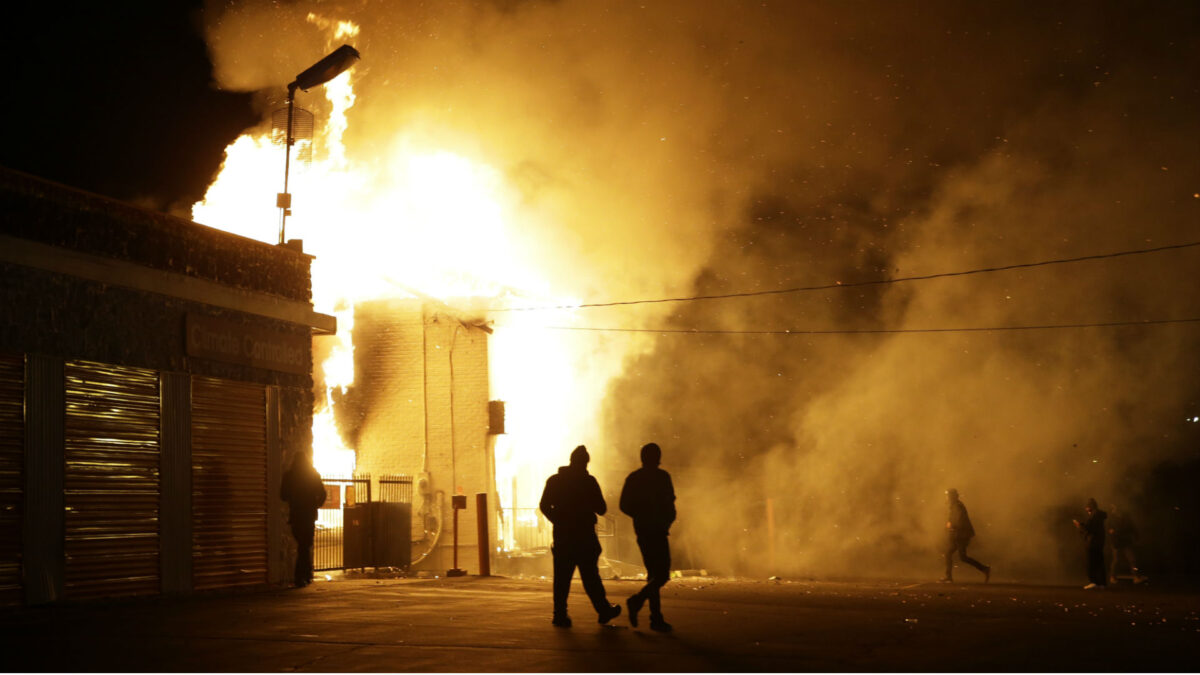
{"points": [[337, 62]]}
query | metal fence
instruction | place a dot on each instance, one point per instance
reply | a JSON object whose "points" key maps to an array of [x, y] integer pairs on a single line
{"points": [[396, 489], [356, 529], [340, 493], [393, 523], [525, 530]]}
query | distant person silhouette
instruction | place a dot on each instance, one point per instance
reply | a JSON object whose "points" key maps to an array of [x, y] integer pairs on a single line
{"points": [[649, 498], [571, 501], [958, 534], [1092, 530], [1122, 535], [304, 492]]}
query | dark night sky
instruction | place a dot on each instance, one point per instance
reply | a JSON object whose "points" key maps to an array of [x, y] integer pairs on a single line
{"points": [[116, 98]]}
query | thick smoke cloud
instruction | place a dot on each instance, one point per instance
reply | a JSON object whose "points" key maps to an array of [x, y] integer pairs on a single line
{"points": [[662, 148], [1071, 147]]}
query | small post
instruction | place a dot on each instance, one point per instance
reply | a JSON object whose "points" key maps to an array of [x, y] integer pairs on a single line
{"points": [[284, 199], [457, 503], [481, 525], [771, 533]]}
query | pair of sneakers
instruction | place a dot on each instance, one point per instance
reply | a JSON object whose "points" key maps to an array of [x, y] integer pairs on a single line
{"points": [[657, 623], [564, 621]]}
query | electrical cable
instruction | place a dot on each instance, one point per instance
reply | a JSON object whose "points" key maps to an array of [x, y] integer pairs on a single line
{"points": [[853, 284], [876, 331]]}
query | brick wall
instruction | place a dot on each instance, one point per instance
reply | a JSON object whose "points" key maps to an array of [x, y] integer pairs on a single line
{"points": [[420, 395]]}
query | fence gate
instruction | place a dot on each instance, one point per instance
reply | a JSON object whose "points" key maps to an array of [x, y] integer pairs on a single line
{"points": [[342, 495], [356, 531], [393, 522]]}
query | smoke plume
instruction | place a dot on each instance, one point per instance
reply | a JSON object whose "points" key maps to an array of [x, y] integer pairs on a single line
{"points": [[672, 148]]}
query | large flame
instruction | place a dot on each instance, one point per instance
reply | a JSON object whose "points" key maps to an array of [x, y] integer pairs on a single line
{"points": [[414, 216]]}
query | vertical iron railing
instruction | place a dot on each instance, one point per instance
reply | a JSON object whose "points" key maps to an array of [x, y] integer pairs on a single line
{"points": [[526, 530], [340, 493], [396, 489]]}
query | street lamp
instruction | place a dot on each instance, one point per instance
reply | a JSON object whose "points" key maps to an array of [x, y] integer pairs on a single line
{"points": [[337, 62]]}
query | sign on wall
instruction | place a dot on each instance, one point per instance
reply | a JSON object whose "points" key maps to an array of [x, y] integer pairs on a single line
{"points": [[232, 342]]}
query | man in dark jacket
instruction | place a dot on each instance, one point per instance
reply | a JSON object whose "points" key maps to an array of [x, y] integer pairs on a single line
{"points": [[649, 498], [304, 492], [958, 534], [1092, 530], [571, 501]]}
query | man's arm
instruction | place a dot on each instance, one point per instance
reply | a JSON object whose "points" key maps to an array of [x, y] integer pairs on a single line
{"points": [[599, 506], [670, 514], [626, 502], [548, 502]]}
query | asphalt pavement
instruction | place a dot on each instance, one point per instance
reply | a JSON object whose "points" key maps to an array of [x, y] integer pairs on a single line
{"points": [[494, 624]]}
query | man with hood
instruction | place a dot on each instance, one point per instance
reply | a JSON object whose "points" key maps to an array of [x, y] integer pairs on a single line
{"points": [[959, 533], [304, 492], [571, 501], [1092, 531], [649, 498]]}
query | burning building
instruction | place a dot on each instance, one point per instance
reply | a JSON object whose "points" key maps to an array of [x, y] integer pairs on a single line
{"points": [[155, 375], [419, 407]]}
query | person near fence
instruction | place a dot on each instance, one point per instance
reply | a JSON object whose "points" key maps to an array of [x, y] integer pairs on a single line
{"points": [[571, 501], [649, 498], [304, 492]]}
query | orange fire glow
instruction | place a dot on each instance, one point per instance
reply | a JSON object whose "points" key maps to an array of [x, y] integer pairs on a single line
{"points": [[415, 215]]}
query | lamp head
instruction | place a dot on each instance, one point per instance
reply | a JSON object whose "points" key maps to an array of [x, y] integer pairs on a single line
{"points": [[337, 62]]}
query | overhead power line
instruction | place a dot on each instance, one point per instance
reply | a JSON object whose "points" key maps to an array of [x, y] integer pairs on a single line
{"points": [[875, 331], [854, 284]]}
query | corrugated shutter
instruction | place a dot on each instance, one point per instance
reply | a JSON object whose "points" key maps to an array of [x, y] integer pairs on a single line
{"points": [[12, 475], [229, 483], [111, 480]]}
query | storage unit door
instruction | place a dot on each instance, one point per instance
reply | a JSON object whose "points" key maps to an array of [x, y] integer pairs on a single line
{"points": [[12, 475], [229, 483], [111, 480]]}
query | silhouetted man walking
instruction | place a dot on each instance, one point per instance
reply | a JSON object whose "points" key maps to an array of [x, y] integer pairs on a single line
{"points": [[304, 492], [571, 501], [1092, 531], [959, 532], [649, 498]]}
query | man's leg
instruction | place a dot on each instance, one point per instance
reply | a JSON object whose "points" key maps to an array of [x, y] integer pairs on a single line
{"points": [[951, 548], [589, 574], [962, 553], [1096, 565], [564, 569], [656, 554], [304, 544]]}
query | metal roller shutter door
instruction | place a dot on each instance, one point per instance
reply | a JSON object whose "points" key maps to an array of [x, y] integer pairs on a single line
{"points": [[229, 483], [12, 475], [111, 480]]}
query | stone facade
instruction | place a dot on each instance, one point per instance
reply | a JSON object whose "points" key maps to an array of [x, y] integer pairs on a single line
{"points": [[83, 277]]}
